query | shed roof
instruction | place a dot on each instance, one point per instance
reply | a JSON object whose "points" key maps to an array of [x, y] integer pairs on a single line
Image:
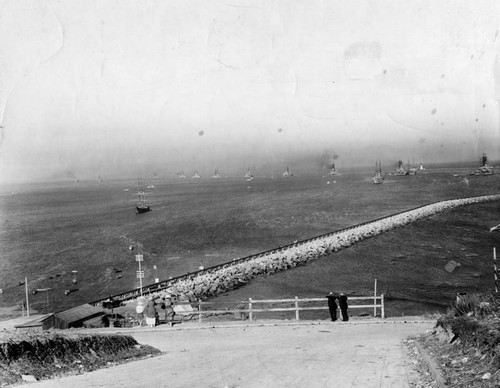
{"points": [[35, 322], [79, 313]]}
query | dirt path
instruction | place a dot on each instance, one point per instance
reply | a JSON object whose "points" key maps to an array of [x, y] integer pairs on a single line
{"points": [[314, 354]]}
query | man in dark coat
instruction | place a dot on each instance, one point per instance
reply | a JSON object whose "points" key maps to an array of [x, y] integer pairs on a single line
{"points": [[332, 305], [343, 306]]}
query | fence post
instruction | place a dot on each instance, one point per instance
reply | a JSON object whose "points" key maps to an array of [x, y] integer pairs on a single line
{"points": [[297, 308], [495, 268], [250, 313], [382, 306], [199, 310], [375, 300]]}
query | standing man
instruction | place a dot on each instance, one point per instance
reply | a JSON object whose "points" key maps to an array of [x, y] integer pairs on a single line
{"points": [[332, 306], [343, 306]]}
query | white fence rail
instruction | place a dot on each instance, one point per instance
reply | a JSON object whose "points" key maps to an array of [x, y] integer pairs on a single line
{"points": [[250, 309]]}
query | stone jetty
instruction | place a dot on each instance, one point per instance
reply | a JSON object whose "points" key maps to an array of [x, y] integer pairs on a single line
{"points": [[212, 282]]}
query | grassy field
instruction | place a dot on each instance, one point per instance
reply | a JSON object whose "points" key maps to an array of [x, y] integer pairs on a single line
{"points": [[48, 231]]}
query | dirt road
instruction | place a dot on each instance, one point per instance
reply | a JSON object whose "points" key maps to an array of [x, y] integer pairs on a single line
{"points": [[278, 354]]}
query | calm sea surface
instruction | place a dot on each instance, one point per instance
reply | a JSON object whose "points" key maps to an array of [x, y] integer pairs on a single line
{"points": [[78, 237]]}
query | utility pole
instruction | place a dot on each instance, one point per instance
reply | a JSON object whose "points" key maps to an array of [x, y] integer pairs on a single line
{"points": [[27, 301], [157, 279], [495, 268], [140, 273]]}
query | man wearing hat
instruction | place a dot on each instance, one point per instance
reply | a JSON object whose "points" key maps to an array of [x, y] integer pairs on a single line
{"points": [[343, 306], [332, 306]]}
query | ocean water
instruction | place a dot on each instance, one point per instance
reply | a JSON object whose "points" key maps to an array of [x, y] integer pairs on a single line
{"points": [[84, 237]]}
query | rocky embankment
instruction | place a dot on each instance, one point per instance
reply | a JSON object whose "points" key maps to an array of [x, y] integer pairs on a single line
{"points": [[213, 282], [463, 350], [27, 357]]}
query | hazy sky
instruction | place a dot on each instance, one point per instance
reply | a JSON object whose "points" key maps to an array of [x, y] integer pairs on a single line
{"points": [[93, 88]]}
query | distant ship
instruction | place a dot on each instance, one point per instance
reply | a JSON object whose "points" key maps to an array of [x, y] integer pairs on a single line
{"points": [[249, 176], [401, 170], [485, 168], [411, 170], [377, 178], [141, 205], [333, 171], [181, 175], [196, 175], [287, 172], [421, 168], [216, 174]]}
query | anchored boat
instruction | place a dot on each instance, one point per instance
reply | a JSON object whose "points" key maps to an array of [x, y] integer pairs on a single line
{"points": [[287, 172], [401, 170], [249, 176], [333, 171], [484, 169], [377, 178], [141, 205], [216, 174]]}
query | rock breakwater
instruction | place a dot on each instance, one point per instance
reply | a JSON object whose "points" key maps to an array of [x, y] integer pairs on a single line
{"points": [[220, 279]]}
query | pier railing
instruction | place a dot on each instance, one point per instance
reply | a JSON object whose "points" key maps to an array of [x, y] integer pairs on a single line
{"points": [[165, 284]]}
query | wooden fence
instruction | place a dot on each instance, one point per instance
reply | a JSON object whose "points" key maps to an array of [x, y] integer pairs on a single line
{"points": [[250, 309]]}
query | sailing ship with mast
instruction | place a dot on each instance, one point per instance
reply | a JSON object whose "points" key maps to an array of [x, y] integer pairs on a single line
{"points": [[249, 176], [377, 178], [287, 172], [196, 175], [216, 174], [142, 204]]}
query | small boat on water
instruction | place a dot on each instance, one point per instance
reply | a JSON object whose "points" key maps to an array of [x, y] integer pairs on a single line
{"points": [[216, 174], [484, 169], [378, 178], [181, 175], [333, 171], [287, 172], [249, 176], [37, 290], [196, 175], [141, 205]]}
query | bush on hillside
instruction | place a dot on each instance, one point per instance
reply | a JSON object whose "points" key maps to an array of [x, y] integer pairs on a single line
{"points": [[475, 320], [49, 354]]}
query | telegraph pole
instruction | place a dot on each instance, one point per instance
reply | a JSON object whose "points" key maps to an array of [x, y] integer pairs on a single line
{"points": [[140, 273], [495, 268], [157, 279], [27, 301]]}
